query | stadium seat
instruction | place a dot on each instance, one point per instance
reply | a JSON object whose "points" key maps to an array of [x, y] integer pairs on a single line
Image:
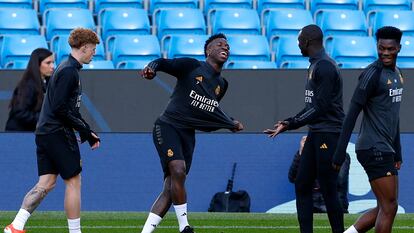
{"points": [[248, 47], [251, 65], [47, 4], [62, 21], [19, 47], [60, 46], [373, 5], [354, 64], [406, 56], [234, 21], [17, 65], [281, 4], [342, 22], [16, 3], [286, 49], [99, 65], [158, 4], [185, 46], [133, 64], [295, 64], [179, 21], [215, 4], [116, 21], [334, 4], [404, 20], [18, 21], [285, 22], [130, 47], [102, 4], [352, 48]]}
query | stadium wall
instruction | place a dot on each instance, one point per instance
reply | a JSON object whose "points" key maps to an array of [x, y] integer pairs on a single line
{"points": [[120, 101], [125, 175]]}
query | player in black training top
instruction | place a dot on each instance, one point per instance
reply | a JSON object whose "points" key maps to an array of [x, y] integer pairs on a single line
{"points": [[194, 105], [323, 114], [378, 94], [57, 146]]}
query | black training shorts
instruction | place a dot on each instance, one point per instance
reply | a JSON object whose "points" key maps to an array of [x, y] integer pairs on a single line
{"points": [[377, 164], [173, 144], [58, 153]]}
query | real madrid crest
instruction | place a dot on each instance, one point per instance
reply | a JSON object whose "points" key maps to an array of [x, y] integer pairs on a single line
{"points": [[217, 91], [170, 153]]}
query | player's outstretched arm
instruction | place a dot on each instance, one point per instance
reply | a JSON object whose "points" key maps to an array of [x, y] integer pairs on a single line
{"points": [[147, 73]]}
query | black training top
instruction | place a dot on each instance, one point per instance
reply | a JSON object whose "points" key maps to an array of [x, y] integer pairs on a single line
{"points": [[62, 101], [323, 110], [378, 94], [194, 102]]}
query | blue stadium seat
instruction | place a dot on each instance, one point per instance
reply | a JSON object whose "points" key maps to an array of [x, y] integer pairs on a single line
{"points": [[295, 64], [334, 4], [157, 4], [18, 21], [215, 4], [47, 4], [404, 20], [185, 46], [62, 21], [17, 65], [19, 47], [354, 64], [16, 3], [342, 22], [286, 22], [373, 5], [281, 4], [248, 47], [406, 56], [352, 48], [115, 21], [179, 21], [234, 21], [102, 4], [133, 64], [130, 47], [251, 65], [99, 65], [286, 49], [60, 46]]}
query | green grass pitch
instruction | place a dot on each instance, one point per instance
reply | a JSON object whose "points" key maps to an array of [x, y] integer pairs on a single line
{"points": [[132, 222]]}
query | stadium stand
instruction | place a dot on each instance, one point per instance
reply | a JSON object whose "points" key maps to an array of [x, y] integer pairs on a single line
{"points": [[60, 46], [248, 47], [185, 46], [404, 20], [62, 21], [286, 49], [116, 21], [216, 4], [342, 22], [99, 65], [333, 4], [103, 4], [18, 21], [48, 4], [280, 4], [132, 64], [163, 4], [352, 48], [19, 47], [16, 3], [406, 55], [234, 21], [295, 64], [17, 65]]}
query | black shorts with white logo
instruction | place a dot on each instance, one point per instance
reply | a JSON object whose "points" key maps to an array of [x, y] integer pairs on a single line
{"points": [[173, 144], [376, 163], [58, 153]]}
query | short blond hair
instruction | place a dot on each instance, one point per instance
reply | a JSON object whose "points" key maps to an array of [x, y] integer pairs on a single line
{"points": [[82, 36]]}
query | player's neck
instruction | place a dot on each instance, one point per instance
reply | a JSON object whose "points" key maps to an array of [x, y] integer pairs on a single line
{"points": [[217, 67]]}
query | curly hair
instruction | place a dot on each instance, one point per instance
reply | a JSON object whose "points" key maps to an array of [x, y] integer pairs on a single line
{"points": [[82, 36], [210, 39], [389, 32]]}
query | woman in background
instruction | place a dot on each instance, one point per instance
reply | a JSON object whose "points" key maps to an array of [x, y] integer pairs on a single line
{"points": [[27, 97]]}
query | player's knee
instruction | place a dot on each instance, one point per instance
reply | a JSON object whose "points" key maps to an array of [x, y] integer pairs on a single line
{"points": [[390, 207], [177, 172]]}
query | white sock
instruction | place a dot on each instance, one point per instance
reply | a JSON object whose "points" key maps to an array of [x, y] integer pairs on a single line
{"points": [[152, 222], [74, 225], [351, 229], [181, 212], [20, 219]]}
